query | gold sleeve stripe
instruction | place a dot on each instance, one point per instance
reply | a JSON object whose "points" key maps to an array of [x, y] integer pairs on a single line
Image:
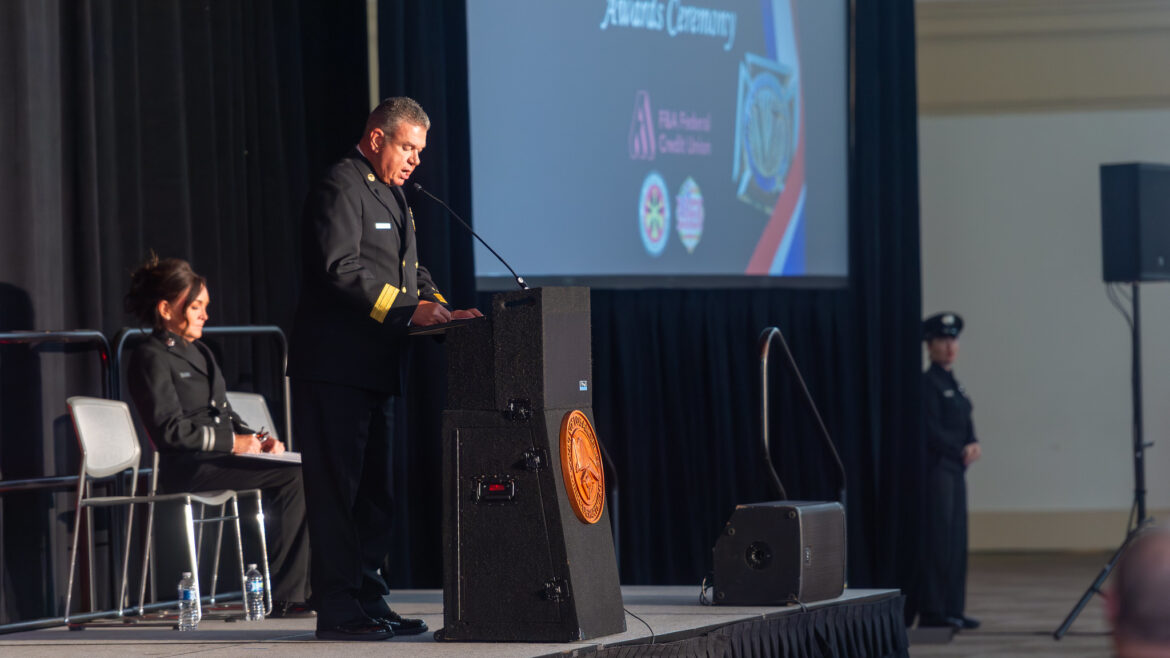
{"points": [[385, 301], [440, 298]]}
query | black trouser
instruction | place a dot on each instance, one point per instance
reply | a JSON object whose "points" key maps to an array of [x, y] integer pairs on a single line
{"points": [[285, 527], [945, 578], [346, 438]]}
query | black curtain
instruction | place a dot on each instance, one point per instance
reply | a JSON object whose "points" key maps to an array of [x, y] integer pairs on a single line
{"points": [[187, 127], [195, 127]]}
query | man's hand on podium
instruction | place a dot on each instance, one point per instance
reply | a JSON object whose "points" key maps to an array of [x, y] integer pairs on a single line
{"points": [[429, 314]]}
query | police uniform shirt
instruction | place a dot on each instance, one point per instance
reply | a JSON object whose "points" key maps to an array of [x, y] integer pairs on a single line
{"points": [[947, 411]]}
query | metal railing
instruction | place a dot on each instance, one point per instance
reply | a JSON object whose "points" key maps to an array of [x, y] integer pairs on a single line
{"points": [[55, 339], [765, 342]]}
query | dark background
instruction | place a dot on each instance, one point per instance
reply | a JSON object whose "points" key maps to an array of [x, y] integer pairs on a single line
{"points": [[195, 127]]}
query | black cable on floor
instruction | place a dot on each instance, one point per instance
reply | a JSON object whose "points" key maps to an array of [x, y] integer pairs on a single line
{"points": [[652, 634]]}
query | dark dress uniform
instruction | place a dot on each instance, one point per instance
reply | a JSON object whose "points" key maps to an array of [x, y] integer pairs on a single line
{"points": [[361, 284], [181, 398], [949, 429]]}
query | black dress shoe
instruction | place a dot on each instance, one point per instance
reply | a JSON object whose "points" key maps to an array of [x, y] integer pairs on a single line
{"points": [[940, 622], [291, 610], [361, 630], [969, 623], [401, 625]]}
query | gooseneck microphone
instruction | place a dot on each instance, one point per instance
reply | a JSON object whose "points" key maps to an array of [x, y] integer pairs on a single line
{"points": [[519, 279]]}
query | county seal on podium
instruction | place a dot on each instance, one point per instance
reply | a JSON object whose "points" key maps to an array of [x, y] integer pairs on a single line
{"points": [[581, 467]]}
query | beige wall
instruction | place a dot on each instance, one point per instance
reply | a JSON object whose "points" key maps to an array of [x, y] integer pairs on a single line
{"points": [[1020, 101], [999, 56]]}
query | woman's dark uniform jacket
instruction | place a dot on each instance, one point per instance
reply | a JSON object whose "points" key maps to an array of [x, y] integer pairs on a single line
{"points": [[949, 429], [362, 281], [181, 398]]}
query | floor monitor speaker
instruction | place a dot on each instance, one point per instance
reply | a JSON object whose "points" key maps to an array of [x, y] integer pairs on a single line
{"points": [[781, 552]]}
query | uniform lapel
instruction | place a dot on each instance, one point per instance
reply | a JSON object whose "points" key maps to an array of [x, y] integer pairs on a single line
{"points": [[380, 190], [178, 352], [407, 223], [216, 393]]}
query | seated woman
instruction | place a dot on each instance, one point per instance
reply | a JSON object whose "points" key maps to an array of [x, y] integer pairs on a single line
{"points": [[181, 397]]}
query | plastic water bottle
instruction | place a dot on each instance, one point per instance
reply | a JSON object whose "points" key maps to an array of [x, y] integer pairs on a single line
{"points": [[254, 597], [188, 603]]}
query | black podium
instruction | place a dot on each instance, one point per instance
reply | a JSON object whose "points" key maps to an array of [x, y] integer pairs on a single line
{"points": [[527, 549]]}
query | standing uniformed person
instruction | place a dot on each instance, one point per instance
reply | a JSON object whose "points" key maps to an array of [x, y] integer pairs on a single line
{"points": [[951, 447], [363, 289]]}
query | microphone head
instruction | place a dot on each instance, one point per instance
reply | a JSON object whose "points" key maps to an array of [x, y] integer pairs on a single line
{"points": [[418, 187]]}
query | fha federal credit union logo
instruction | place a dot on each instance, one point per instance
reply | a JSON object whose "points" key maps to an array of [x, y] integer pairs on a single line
{"points": [[689, 210], [654, 214], [641, 139]]}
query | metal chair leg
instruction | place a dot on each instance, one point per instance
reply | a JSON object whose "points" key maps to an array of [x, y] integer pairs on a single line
{"points": [[146, 555], [189, 517], [218, 548], [73, 549], [126, 559], [89, 544], [264, 554], [239, 551]]}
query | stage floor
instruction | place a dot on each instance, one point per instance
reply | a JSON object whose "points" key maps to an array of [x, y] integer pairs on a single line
{"points": [[674, 613]]}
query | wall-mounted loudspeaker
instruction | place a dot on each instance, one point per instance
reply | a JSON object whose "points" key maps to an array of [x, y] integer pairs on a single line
{"points": [[781, 552]]}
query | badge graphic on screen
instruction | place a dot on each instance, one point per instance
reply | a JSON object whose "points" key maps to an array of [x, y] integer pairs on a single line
{"points": [[764, 131], [689, 210], [581, 467], [654, 214]]}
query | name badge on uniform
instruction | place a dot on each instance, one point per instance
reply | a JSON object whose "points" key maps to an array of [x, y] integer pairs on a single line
{"points": [[949, 393], [383, 225], [184, 375]]}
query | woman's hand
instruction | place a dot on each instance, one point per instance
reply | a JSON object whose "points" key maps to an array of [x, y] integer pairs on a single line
{"points": [[247, 444], [971, 453]]}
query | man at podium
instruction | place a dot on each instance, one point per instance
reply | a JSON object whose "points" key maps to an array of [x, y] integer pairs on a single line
{"points": [[363, 287]]}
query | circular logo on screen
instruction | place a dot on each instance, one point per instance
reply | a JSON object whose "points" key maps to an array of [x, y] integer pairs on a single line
{"points": [[654, 214], [581, 467], [689, 211]]}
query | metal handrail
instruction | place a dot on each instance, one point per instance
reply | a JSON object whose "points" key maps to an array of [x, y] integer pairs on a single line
{"points": [[271, 331], [765, 343], [63, 337], [76, 336]]}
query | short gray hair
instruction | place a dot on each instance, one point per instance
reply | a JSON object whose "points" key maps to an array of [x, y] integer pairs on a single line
{"points": [[395, 110]]}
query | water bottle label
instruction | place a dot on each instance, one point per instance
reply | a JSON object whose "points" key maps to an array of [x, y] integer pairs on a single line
{"points": [[256, 586], [188, 595]]}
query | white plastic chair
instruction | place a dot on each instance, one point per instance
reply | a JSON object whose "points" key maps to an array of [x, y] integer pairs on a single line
{"points": [[109, 446], [253, 410]]}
